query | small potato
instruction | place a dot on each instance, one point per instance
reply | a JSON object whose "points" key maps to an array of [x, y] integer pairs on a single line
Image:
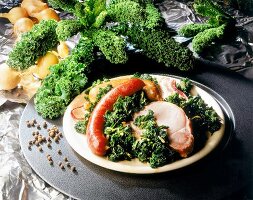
{"points": [[44, 63], [47, 14], [33, 6], [63, 50], [15, 14], [23, 25], [9, 77]]}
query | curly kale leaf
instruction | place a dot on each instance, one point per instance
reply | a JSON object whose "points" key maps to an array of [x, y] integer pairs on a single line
{"points": [[190, 30], [203, 117], [33, 44], [67, 28], [66, 5], [111, 45], [153, 16], [66, 80], [205, 39], [126, 11], [160, 46]]}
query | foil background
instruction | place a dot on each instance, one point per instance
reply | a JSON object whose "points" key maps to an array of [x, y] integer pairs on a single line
{"points": [[17, 179]]}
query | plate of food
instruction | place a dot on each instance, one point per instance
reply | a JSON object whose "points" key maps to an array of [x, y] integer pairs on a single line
{"points": [[145, 123]]}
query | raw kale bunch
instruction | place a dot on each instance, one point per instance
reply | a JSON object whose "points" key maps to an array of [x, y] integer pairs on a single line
{"points": [[65, 81], [105, 30], [33, 44], [215, 28]]}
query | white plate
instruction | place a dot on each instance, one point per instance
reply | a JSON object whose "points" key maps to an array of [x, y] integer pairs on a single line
{"points": [[79, 143]]}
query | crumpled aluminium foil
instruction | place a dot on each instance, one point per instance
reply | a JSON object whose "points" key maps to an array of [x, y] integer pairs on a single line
{"points": [[17, 179]]}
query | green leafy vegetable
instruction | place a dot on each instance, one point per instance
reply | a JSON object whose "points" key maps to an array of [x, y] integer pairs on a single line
{"points": [[205, 39], [217, 25], [67, 28], [80, 126], [33, 44], [120, 136], [120, 140], [66, 80], [153, 146], [185, 86], [111, 45], [198, 112], [190, 30], [158, 45], [124, 108], [66, 5]]}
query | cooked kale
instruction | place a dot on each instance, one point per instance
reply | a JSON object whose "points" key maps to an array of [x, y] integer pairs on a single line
{"points": [[145, 77], [153, 146], [185, 86], [81, 125], [124, 108], [120, 140], [119, 135], [101, 93]]}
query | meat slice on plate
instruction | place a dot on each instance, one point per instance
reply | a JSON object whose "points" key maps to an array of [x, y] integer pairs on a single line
{"points": [[172, 116]]}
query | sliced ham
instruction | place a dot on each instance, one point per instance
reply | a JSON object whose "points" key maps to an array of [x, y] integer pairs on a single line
{"points": [[168, 87], [172, 116]]}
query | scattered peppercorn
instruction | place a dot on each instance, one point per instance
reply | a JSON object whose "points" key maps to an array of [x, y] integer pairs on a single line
{"points": [[40, 148], [59, 152], [44, 125], [65, 159], [73, 168], [62, 166], [38, 127], [68, 164]]}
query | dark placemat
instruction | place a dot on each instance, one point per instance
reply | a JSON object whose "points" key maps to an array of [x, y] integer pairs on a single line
{"points": [[223, 174]]}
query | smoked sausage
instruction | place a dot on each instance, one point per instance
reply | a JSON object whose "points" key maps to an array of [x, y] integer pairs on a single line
{"points": [[95, 129]]}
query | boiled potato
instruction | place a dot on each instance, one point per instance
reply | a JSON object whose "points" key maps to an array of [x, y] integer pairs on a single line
{"points": [[44, 63], [9, 77], [23, 25], [63, 50]]}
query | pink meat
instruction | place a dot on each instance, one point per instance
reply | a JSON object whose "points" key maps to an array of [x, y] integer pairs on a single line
{"points": [[179, 131], [168, 87]]}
